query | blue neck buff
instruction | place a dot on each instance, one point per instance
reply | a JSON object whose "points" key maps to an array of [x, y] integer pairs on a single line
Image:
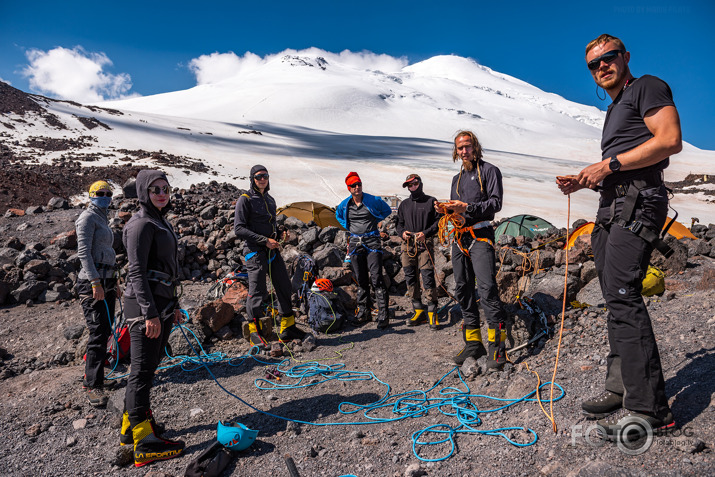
{"points": [[101, 202]]}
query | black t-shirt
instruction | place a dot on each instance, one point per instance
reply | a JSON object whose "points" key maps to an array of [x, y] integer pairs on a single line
{"points": [[625, 129], [360, 219]]}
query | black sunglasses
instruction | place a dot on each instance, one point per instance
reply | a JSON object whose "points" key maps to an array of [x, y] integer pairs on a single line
{"points": [[608, 57], [413, 183], [102, 193], [260, 177], [355, 184], [156, 190]]}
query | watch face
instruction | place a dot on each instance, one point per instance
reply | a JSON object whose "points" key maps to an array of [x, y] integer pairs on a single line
{"points": [[614, 165]]}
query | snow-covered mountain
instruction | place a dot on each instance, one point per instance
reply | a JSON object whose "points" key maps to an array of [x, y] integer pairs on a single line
{"points": [[320, 117]]}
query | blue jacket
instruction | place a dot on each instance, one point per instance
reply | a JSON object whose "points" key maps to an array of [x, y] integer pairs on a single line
{"points": [[377, 207]]}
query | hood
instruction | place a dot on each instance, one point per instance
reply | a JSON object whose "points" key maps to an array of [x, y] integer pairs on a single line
{"points": [[417, 193], [255, 169], [144, 179]]}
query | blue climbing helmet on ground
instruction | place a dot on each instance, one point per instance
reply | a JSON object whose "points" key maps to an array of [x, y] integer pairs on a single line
{"points": [[236, 438]]}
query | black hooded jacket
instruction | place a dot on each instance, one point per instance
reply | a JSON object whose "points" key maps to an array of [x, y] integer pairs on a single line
{"points": [[255, 219], [484, 196], [151, 245], [417, 214]]}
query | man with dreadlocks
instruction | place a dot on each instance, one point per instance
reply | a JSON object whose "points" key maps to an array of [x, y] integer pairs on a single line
{"points": [[475, 197]]}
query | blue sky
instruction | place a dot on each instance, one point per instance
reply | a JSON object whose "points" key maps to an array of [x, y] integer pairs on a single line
{"points": [[151, 43]]}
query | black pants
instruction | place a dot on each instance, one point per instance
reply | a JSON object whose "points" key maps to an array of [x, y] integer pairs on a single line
{"points": [[99, 316], [367, 267], [480, 264], [258, 267], [145, 357], [622, 258]]}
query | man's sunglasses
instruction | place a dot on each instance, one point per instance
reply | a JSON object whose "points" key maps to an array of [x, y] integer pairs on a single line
{"points": [[355, 184], [261, 177], [607, 57], [103, 193], [413, 183], [156, 190]]}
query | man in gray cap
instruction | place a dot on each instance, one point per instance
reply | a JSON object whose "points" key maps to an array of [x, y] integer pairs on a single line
{"points": [[417, 223]]}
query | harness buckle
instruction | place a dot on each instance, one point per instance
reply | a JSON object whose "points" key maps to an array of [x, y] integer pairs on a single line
{"points": [[621, 190], [635, 226]]}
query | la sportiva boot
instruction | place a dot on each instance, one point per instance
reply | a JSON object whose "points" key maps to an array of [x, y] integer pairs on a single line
{"points": [[473, 346], [433, 316], [419, 315], [149, 447], [255, 336], [125, 435], [288, 330], [496, 345], [383, 312]]}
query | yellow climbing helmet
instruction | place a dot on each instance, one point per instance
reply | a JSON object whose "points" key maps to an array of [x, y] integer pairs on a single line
{"points": [[99, 185]]}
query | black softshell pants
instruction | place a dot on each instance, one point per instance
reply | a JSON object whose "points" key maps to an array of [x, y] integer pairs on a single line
{"points": [[367, 267], [480, 264], [621, 259], [258, 267], [145, 356], [99, 316]]}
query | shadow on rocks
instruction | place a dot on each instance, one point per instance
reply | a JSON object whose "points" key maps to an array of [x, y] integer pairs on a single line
{"points": [[323, 407], [692, 386]]}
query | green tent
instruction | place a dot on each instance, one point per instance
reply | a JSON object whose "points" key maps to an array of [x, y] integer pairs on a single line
{"points": [[526, 225]]}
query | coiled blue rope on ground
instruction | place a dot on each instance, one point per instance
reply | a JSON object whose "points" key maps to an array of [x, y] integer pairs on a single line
{"points": [[449, 401]]}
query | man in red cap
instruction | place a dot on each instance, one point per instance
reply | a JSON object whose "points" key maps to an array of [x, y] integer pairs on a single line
{"points": [[360, 214], [417, 223]]}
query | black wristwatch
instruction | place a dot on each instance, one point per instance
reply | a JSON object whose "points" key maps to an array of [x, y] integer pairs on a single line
{"points": [[615, 164]]}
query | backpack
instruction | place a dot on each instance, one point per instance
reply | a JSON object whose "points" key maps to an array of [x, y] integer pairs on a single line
{"points": [[326, 313], [303, 278]]}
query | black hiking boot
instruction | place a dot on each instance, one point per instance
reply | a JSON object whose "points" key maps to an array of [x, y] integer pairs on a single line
{"points": [[289, 331], [603, 405], [497, 349], [473, 346], [125, 435], [417, 318], [433, 316], [629, 426], [474, 349], [149, 447]]}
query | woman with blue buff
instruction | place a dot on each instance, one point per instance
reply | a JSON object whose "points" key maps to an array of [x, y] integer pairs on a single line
{"points": [[96, 285]]}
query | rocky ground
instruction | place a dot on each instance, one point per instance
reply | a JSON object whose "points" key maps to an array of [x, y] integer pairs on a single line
{"points": [[50, 429]]}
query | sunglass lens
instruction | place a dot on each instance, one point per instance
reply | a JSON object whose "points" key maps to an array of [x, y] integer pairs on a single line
{"points": [[261, 177], [607, 57]]}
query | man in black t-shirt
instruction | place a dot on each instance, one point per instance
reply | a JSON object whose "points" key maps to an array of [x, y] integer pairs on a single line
{"points": [[641, 132]]}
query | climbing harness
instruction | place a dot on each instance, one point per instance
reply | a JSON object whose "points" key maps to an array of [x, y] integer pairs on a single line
{"points": [[631, 191]]}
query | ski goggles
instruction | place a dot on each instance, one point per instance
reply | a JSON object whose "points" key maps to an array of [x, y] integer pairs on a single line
{"points": [[607, 57]]}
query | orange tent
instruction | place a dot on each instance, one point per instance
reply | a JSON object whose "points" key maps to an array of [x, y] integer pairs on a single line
{"points": [[677, 230], [586, 228]]}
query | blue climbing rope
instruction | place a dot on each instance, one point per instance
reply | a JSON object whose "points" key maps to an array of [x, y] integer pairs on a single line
{"points": [[452, 402]]}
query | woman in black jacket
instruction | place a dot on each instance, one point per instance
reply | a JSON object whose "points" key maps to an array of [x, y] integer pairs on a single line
{"points": [[150, 308]]}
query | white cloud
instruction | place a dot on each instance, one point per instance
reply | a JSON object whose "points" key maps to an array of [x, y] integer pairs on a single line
{"points": [[217, 67], [5, 81], [75, 74]]}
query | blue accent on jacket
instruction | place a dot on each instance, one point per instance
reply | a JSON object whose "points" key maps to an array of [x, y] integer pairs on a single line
{"points": [[377, 207]]}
